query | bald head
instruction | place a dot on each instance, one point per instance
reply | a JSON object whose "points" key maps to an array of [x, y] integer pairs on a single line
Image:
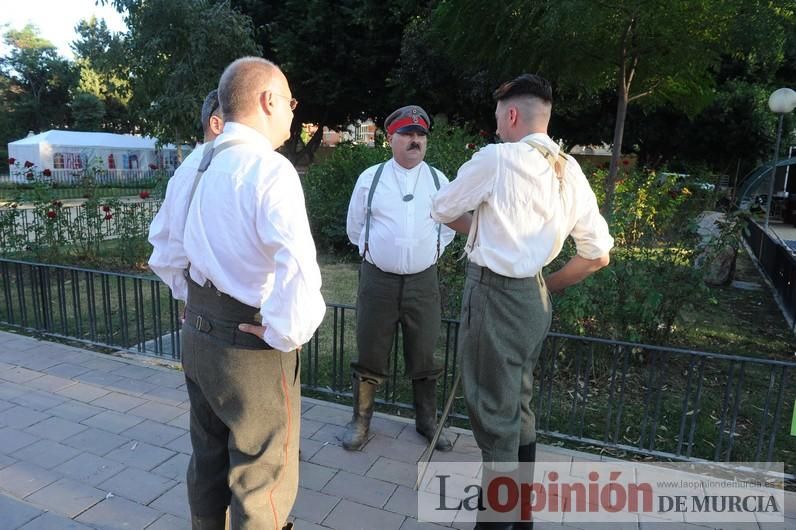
{"points": [[241, 85]]}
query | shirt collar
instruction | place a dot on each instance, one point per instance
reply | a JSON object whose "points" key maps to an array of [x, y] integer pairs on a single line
{"points": [[398, 168], [543, 139], [237, 130]]}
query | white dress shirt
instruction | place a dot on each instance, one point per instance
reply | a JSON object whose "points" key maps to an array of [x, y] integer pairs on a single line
{"points": [[523, 218], [247, 232], [168, 259], [403, 237]]}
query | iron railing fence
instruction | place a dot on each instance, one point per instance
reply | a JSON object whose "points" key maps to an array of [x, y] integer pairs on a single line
{"points": [[778, 263], [625, 397], [22, 227], [104, 177]]}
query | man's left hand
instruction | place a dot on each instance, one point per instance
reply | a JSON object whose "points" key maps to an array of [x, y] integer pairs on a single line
{"points": [[258, 331]]}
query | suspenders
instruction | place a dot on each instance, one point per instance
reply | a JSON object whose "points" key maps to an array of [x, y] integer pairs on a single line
{"points": [[369, 210]]}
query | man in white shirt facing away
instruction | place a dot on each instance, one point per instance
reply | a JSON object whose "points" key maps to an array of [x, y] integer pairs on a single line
{"points": [[527, 198], [389, 221], [253, 298], [168, 259]]}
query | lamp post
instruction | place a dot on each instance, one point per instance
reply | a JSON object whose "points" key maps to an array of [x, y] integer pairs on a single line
{"points": [[782, 101]]}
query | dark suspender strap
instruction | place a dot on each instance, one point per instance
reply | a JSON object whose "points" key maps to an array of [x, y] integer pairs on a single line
{"points": [[439, 225], [372, 190]]}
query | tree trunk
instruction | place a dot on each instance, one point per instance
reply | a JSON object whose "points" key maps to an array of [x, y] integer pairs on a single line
{"points": [[178, 143], [616, 151]]}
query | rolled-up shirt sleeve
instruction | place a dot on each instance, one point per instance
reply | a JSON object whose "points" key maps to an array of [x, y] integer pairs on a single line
{"points": [[168, 259], [295, 308], [473, 185], [590, 232]]}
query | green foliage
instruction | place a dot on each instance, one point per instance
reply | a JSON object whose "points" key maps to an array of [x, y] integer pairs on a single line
{"points": [[88, 112]]}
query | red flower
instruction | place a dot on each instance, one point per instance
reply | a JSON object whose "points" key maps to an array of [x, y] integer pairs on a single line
{"points": [[47, 173], [144, 194], [28, 164], [106, 208], [29, 175], [153, 166], [51, 214], [470, 146], [625, 162], [12, 161], [108, 217], [483, 133]]}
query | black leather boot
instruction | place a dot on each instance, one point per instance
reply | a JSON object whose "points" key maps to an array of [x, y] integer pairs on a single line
{"points": [[526, 456], [356, 432], [425, 391]]}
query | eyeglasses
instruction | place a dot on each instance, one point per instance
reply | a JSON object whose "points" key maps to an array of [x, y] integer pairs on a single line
{"points": [[293, 101]]}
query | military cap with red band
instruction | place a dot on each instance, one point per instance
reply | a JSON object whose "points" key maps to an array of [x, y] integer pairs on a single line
{"points": [[408, 119]]}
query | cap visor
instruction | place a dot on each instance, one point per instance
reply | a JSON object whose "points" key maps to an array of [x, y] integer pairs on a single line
{"points": [[412, 128]]}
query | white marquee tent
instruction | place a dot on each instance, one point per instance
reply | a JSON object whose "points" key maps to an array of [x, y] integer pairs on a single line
{"points": [[68, 151]]}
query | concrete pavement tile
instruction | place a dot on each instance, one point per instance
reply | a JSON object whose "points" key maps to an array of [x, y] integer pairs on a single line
{"points": [[386, 427], [353, 516], [169, 396], [156, 411], [16, 513], [409, 434], [67, 497], [174, 501], [20, 417], [67, 370], [11, 390], [301, 524], [167, 379], [118, 512], [88, 468], [331, 433], [414, 524], [308, 448], [46, 453], [103, 363], [183, 421], [38, 400], [313, 476], [153, 432], [394, 471], [96, 441], [82, 392], [23, 478], [381, 445], [313, 506], [365, 490], [51, 521], [310, 427], [18, 374], [55, 428], [138, 485], [118, 402], [6, 460], [12, 440], [326, 414], [74, 411], [181, 444], [140, 455], [6, 404], [98, 378], [404, 501], [133, 387], [112, 421], [171, 522], [50, 383], [175, 467], [338, 458], [134, 371], [38, 360]]}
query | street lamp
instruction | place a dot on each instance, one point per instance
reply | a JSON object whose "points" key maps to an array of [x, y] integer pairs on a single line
{"points": [[782, 101]]}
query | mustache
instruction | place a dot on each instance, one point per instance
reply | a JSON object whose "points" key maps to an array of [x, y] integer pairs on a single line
{"points": [[413, 145]]}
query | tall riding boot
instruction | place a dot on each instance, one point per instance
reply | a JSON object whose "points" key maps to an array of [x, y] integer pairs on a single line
{"points": [[356, 432], [482, 518], [425, 391], [200, 522], [526, 456]]}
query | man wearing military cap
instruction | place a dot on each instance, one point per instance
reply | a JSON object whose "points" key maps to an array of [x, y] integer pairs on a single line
{"points": [[389, 220]]}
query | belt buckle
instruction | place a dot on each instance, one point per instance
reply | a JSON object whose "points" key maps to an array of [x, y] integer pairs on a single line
{"points": [[202, 325]]}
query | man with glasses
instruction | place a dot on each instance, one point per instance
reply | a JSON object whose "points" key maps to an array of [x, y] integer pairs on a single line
{"points": [[253, 300], [389, 221]]}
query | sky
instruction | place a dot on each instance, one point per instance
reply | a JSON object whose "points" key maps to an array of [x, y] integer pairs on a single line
{"points": [[56, 19]]}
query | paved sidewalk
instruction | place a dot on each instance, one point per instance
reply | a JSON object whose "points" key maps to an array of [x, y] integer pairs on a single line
{"points": [[97, 441]]}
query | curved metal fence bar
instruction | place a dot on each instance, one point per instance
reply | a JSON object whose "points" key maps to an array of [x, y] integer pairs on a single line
{"points": [[778, 263], [663, 402]]}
